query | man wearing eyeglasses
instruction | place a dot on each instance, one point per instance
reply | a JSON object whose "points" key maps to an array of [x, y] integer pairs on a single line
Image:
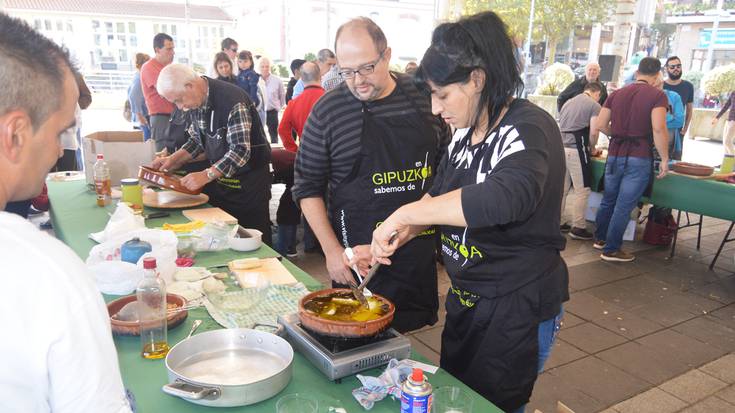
{"points": [[229, 47], [373, 145], [685, 89]]}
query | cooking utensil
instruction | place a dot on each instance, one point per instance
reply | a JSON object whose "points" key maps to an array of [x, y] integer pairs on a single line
{"points": [[156, 215], [194, 327], [229, 367], [164, 179], [358, 291], [132, 328], [336, 328], [172, 199]]}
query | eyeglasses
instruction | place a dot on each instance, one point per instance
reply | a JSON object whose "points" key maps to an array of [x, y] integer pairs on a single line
{"points": [[675, 66], [364, 70]]}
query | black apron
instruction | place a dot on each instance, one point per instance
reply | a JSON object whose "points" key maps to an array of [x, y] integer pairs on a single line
{"points": [[245, 195], [582, 142], [490, 344], [395, 167]]}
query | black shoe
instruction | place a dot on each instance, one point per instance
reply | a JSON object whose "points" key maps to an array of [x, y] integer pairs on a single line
{"points": [[564, 228], [580, 233], [292, 252]]}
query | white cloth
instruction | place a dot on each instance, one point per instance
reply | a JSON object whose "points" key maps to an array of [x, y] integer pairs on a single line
{"points": [[57, 353]]}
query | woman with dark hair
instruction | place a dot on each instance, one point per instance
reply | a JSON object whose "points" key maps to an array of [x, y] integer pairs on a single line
{"points": [[497, 199], [223, 68], [248, 79]]}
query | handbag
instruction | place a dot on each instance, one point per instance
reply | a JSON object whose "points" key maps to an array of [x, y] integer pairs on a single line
{"points": [[659, 230]]}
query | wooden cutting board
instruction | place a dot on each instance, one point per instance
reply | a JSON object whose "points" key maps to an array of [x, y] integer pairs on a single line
{"points": [[172, 199], [272, 269], [210, 215]]}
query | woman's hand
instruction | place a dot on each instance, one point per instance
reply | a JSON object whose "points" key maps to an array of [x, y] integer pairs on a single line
{"points": [[714, 120], [393, 229]]}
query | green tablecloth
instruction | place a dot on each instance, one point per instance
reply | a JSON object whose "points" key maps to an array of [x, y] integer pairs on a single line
{"points": [[700, 196], [75, 214]]}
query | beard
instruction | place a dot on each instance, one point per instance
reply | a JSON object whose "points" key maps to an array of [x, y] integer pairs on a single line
{"points": [[674, 76]]}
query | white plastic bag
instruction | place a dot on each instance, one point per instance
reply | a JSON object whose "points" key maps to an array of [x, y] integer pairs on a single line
{"points": [[122, 221], [214, 236], [119, 277]]}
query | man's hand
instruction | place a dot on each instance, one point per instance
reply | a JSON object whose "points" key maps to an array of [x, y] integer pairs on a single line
{"points": [[141, 119], [663, 168], [361, 258], [162, 163], [337, 266], [195, 180], [596, 152]]}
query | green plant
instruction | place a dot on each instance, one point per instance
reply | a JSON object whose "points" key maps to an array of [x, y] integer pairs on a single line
{"points": [[719, 80], [310, 57], [695, 77], [554, 79], [280, 70]]}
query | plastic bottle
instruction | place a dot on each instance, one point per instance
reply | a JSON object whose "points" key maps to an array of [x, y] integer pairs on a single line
{"points": [[151, 295], [416, 394], [102, 183]]}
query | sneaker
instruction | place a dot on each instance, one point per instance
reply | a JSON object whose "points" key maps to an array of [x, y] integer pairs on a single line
{"points": [[292, 253], [564, 228], [580, 233], [599, 244], [617, 256]]}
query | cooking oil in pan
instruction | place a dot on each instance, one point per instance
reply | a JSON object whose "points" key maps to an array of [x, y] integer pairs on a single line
{"points": [[342, 306]]}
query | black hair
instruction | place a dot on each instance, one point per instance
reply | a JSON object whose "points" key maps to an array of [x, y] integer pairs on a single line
{"points": [[296, 65], [228, 43], [672, 58], [649, 66], [32, 69], [160, 39], [593, 87], [478, 42]]}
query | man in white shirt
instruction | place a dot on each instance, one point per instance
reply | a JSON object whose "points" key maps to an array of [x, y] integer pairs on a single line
{"points": [[275, 97], [57, 353]]}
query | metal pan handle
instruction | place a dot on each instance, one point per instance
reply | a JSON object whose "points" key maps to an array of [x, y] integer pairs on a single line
{"points": [[186, 390], [279, 329]]}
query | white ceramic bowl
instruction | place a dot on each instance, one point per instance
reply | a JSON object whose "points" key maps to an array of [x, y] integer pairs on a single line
{"points": [[247, 239]]}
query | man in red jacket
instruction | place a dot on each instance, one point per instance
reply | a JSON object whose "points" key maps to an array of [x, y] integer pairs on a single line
{"points": [[294, 119], [297, 111]]}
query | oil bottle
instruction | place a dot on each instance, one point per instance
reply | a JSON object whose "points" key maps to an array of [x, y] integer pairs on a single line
{"points": [[151, 295]]}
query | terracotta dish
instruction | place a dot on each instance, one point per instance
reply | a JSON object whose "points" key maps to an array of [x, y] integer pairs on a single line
{"points": [[131, 328], [164, 180], [693, 169], [348, 329]]}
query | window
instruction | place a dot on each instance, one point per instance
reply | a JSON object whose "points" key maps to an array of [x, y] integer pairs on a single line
{"points": [[69, 27], [110, 40], [122, 40], [156, 28], [198, 43], [214, 32], [164, 28], [108, 27], [59, 25], [97, 40], [95, 25], [131, 27], [221, 31], [123, 55], [133, 41], [181, 43], [121, 27], [37, 24], [47, 24], [173, 30]]}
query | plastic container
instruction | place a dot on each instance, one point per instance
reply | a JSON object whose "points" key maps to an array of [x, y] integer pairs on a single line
{"points": [[102, 184], [728, 163], [151, 296], [132, 250], [132, 193]]}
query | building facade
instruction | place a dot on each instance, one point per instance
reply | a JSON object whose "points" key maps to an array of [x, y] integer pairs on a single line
{"points": [[694, 34]]}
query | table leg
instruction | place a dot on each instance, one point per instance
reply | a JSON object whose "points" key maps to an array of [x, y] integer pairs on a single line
{"points": [[722, 244]]}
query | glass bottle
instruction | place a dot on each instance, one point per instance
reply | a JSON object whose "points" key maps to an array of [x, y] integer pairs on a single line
{"points": [[102, 185], [151, 295]]}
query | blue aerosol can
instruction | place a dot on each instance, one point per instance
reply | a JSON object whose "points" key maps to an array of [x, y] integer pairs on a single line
{"points": [[416, 394]]}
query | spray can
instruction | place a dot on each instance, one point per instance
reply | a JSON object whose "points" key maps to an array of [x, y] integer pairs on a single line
{"points": [[416, 394]]}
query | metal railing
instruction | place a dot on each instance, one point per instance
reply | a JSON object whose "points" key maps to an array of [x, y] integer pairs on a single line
{"points": [[108, 80]]}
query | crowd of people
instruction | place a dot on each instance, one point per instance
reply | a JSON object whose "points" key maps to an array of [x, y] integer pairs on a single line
{"points": [[386, 167]]}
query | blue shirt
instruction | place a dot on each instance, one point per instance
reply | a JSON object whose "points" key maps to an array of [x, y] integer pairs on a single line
{"points": [[248, 81], [675, 112], [297, 89], [135, 96]]}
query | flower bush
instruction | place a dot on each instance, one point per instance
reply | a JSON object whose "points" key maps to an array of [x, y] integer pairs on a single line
{"points": [[554, 79], [719, 80]]}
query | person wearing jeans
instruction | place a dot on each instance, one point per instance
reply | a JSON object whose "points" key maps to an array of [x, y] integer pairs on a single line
{"points": [[631, 115]]}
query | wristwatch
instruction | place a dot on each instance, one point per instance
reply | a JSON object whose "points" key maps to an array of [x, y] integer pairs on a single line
{"points": [[211, 175]]}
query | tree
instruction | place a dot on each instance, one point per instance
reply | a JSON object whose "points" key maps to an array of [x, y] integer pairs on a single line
{"points": [[310, 57], [553, 19]]}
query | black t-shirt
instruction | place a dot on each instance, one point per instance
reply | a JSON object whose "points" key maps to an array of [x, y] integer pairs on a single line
{"points": [[684, 89]]}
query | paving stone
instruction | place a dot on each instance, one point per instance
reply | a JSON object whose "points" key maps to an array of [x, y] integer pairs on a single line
{"points": [[693, 386], [551, 389], [685, 349], [570, 320], [627, 324], [710, 405], [591, 338], [633, 292], [722, 291], [722, 368], [431, 338], [676, 309], [643, 362], [684, 279], [725, 315], [652, 401], [709, 332], [424, 350], [607, 383], [727, 394], [563, 353], [588, 307]]}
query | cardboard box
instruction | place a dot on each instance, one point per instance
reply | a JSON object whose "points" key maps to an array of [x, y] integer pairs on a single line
{"points": [[124, 152]]}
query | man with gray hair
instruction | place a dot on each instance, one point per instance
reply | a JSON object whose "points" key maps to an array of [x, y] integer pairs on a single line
{"points": [[226, 129], [58, 355], [591, 74], [326, 60], [274, 96]]}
